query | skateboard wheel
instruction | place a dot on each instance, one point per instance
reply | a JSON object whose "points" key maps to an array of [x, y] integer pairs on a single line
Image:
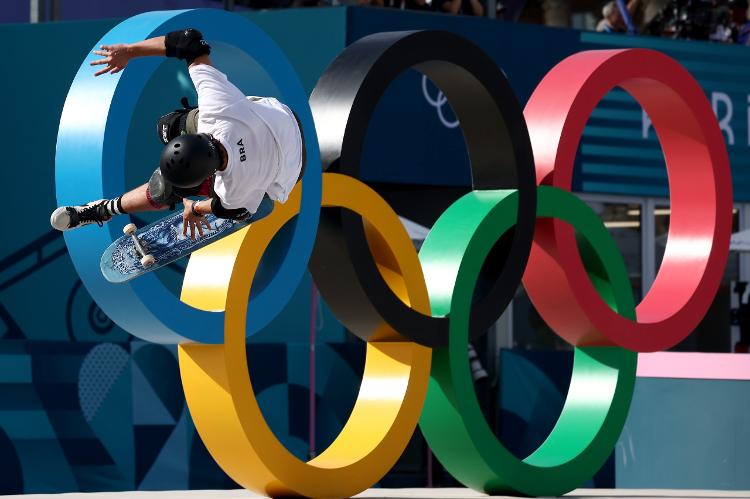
{"points": [[147, 261], [129, 229]]}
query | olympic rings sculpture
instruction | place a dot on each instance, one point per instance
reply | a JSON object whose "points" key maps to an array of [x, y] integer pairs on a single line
{"points": [[417, 311]]}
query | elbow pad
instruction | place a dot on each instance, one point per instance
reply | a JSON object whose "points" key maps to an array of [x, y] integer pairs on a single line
{"points": [[187, 45], [218, 209]]}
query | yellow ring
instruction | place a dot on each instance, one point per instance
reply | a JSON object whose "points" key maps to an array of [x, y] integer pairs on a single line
{"points": [[217, 382]]}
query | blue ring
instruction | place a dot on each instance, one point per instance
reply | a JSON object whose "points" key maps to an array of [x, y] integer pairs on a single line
{"points": [[90, 165]]}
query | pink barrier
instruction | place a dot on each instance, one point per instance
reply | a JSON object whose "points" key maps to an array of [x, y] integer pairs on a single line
{"points": [[691, 365]]}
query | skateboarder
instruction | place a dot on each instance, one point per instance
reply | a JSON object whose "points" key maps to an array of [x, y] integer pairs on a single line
{"points": [[243, 151]]}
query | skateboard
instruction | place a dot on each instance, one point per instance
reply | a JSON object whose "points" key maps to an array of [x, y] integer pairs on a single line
{"points": [[142, 250]]}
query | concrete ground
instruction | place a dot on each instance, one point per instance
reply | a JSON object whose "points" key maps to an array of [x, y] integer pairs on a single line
{"points": [[403, 494]]}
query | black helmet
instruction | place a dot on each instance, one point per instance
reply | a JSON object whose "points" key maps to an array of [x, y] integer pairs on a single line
{"points": [[187, 160]]}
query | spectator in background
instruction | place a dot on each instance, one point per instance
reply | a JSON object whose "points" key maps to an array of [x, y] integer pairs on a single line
{"points": [[465, 7], [740, 24], [732, 25], [612, 21]]}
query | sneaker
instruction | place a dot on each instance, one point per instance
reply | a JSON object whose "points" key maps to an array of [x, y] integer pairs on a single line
{"points": [[72, 217]]}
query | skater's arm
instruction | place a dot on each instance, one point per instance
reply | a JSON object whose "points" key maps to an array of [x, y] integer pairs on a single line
{"points": [[194, 214], [117, 56], [187, 44], [152, 46]]}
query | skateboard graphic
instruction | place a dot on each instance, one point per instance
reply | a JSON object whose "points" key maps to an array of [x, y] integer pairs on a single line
{"points": [[142, 250]]}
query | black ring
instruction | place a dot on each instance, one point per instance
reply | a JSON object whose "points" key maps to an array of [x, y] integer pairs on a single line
{"points": [[499, 152]]}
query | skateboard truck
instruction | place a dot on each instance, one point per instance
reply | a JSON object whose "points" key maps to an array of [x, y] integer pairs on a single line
{"points": [[147, 260]]}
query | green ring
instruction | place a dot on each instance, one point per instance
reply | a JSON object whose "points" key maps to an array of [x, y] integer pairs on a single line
{"points": [[602, 381]]}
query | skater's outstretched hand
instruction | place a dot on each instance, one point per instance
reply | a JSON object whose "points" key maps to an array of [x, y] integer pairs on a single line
{"points": [[193, 220], [116, 57]]}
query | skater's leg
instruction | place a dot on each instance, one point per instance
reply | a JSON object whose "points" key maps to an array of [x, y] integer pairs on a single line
{"points": [[136, 201]]}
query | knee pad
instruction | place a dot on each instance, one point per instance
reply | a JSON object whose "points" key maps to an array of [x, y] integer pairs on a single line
{"points": [[160, 192]]}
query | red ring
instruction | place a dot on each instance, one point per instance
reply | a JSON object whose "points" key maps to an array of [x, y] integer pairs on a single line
{"points": [[700, 190]]}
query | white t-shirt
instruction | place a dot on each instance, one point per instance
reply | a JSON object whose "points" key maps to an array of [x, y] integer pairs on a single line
{"points": [[260, 134]]}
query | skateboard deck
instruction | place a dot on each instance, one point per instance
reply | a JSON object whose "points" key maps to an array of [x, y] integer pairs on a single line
{"points": [[164, 240]]}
